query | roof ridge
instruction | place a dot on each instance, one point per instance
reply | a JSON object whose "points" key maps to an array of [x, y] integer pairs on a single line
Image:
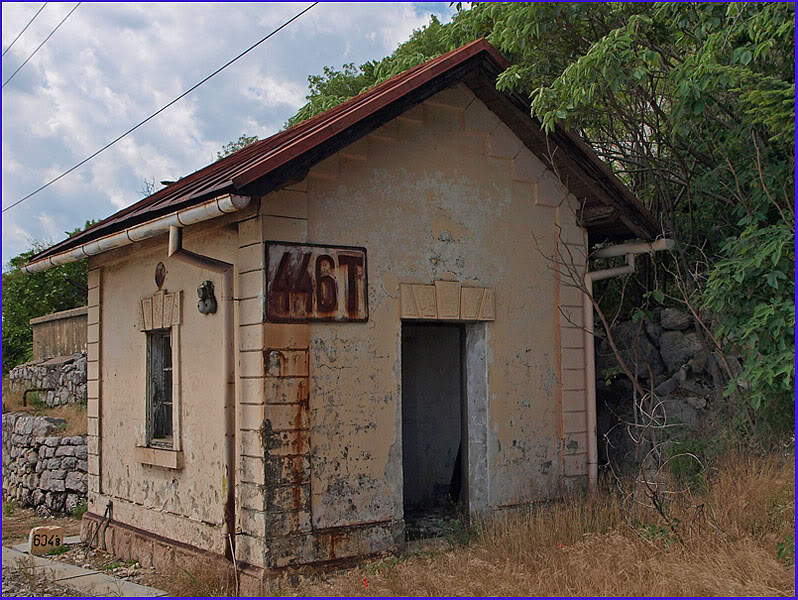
{"points": [[235, 172], [248, 156]]}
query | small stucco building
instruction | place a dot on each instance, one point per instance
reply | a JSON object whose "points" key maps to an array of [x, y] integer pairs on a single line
{"points": [[296, 349]]}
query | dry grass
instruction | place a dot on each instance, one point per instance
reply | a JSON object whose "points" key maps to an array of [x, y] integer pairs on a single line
{"points": [[722, 541], [22, 578], [201, 577], [12, 401], [73, 414]]}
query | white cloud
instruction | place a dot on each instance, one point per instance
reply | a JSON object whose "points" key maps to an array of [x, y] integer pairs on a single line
{"points": [[48, 226], [111, 65]]}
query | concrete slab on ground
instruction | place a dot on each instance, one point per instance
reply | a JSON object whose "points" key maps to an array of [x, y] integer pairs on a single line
{"points": [[85, 581]]}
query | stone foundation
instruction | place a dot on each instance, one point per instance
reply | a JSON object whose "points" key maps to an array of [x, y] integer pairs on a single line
{"points": [[126, 542], [41, 469], [64, 376]]}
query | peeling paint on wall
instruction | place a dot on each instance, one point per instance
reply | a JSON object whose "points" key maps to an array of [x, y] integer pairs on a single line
{"points": [[441, 194]]}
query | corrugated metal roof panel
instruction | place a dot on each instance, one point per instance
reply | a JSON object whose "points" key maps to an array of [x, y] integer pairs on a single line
{"points": [[266, 157]]}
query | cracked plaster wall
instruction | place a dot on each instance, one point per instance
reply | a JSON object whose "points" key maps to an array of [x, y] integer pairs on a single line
{"points": [[183, 504], [445, 191]]}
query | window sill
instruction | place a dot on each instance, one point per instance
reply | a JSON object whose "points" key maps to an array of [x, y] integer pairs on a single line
{"points": [[160, 457]]}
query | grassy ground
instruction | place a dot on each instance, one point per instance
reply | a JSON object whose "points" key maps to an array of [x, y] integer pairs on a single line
{"points": [[733, 537], [73, 414], [18, 521]]}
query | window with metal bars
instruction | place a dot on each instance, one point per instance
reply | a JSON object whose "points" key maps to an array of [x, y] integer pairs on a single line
{"points": [[159, 391]]}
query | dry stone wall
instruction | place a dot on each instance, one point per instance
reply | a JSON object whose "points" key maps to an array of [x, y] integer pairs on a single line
{"points": [[41, 469], [64, 376]]}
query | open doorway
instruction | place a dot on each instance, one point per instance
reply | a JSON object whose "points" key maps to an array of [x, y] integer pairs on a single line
{"points": [[433, 427]]}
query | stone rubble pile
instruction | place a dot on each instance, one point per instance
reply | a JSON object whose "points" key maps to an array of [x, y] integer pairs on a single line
{"points": [[668, 348], [41, 469]]}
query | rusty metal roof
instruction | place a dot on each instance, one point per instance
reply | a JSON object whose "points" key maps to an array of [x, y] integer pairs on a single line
{"points": [[286, 156]]}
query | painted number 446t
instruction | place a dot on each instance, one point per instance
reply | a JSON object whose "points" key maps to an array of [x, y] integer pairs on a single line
{"points": [[315, 283]]}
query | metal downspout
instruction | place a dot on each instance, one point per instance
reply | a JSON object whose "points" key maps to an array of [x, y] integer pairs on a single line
{"points": [[225, 269], [629, 251]]}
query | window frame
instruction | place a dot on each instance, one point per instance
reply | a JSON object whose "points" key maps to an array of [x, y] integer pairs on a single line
{"points": [[160, 312], [165, 442]]}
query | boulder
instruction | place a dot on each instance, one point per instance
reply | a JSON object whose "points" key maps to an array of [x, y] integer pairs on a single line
{"points": [[32, 457], [672, 318], [677, 349], [57, 485], [632, 342], [679, 412], [72, 501], [76, 481], [654, 330], [699, 364], [697, 402]]}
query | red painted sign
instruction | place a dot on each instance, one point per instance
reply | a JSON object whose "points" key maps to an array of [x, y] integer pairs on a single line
{"points": [[306, 282]]}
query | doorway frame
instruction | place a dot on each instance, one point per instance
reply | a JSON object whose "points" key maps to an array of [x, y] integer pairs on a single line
{"points": [[474, 417]]}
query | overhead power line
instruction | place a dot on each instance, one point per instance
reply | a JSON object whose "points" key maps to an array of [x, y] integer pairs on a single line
{"points": [[19, 68], [24, 28], [163, 108]]}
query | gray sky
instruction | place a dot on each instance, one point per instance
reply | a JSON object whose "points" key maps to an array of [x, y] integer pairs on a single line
{"points": [[111, 65]]}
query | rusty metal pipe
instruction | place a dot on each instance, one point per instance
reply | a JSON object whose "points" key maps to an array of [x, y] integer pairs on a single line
{"points": [[629, 251], [225, 269]]}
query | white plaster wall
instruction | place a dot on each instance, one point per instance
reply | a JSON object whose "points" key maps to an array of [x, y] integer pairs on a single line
{"points": [[182, 504], [443, 192]]}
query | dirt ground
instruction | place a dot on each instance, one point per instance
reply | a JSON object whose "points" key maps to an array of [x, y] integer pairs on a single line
{"points": [[18, 521]]}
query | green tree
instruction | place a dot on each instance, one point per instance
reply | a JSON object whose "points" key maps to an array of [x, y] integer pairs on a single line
{"points": [[30, 295], [242, 142], [335, 86], [693, 105]]}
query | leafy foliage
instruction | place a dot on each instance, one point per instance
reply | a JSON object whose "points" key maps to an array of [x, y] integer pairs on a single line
{"points": [[759, 316], [692, 104], [242, 142], [26, 296], [785, 550], [335, 86]]}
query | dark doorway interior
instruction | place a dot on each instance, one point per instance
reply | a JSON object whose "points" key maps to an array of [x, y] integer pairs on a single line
{"points": [[432, 427]]}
